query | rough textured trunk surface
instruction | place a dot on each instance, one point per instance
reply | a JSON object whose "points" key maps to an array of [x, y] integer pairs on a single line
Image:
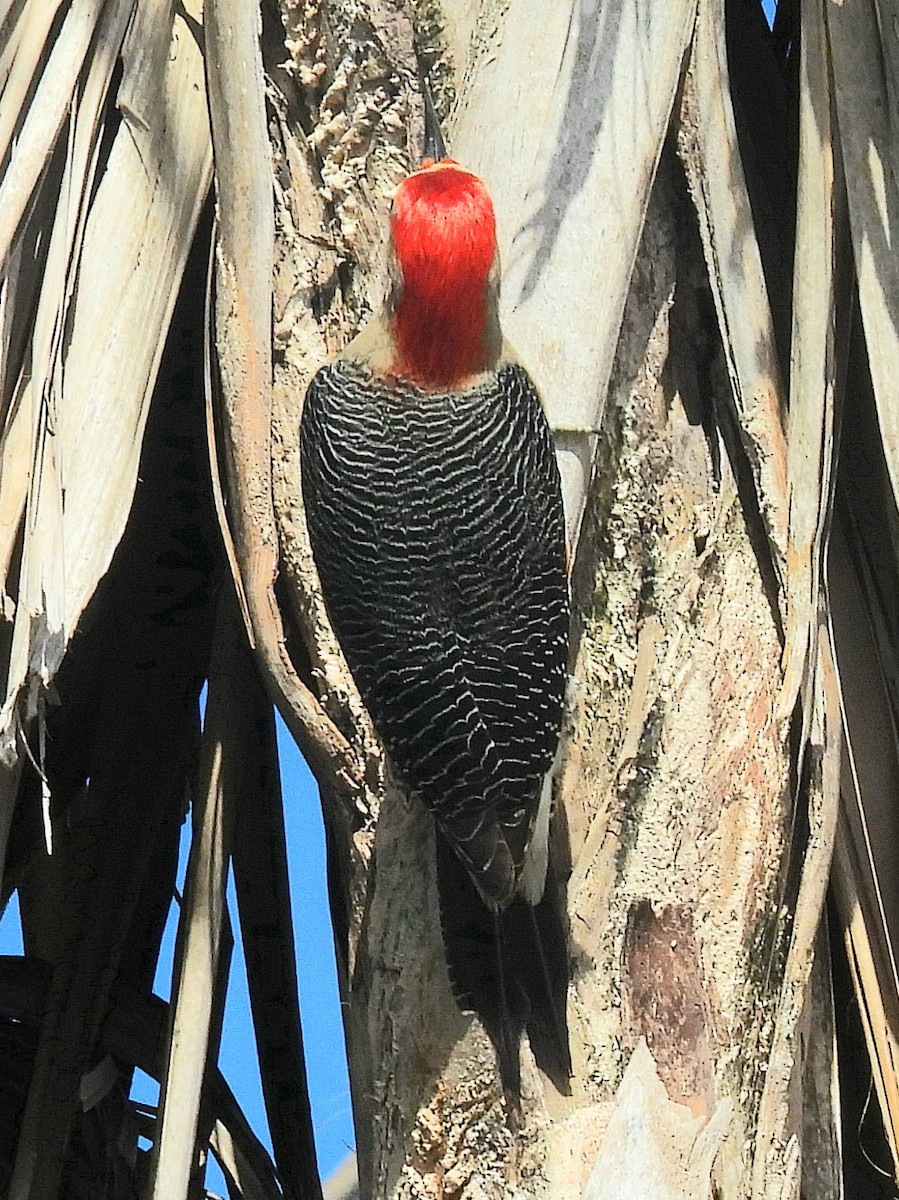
{"points": [[676, 820]]}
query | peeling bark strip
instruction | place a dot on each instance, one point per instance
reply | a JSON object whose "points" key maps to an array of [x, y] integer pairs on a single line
{"points": [[100, 257], [666, 1000], [707, 143], [243, 360]]}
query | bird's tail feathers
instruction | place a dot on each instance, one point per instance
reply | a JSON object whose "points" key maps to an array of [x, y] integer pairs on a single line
{"points": [[507, 1037], [511, 967], [548, 1028]]}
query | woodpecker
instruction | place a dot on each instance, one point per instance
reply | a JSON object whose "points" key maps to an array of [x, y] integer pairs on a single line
{"points": [[434, 509]]}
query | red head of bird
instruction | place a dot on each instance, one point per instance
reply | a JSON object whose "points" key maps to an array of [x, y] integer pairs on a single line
{"points": [[443, 319]]}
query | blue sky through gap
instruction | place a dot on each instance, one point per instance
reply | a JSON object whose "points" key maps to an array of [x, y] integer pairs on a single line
{"points": [[319, 997]]}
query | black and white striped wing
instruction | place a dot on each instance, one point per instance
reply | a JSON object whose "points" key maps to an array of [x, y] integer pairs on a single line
{"points": [[437, 527]]}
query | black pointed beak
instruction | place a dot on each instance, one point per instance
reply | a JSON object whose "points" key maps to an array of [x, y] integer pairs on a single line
{"points": [[435, 147]]}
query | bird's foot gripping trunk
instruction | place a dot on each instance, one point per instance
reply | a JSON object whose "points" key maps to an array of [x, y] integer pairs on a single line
{"points": [[511, 968]]}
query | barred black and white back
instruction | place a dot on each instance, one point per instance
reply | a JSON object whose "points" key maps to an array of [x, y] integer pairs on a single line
{"points": [[437, 528]]}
